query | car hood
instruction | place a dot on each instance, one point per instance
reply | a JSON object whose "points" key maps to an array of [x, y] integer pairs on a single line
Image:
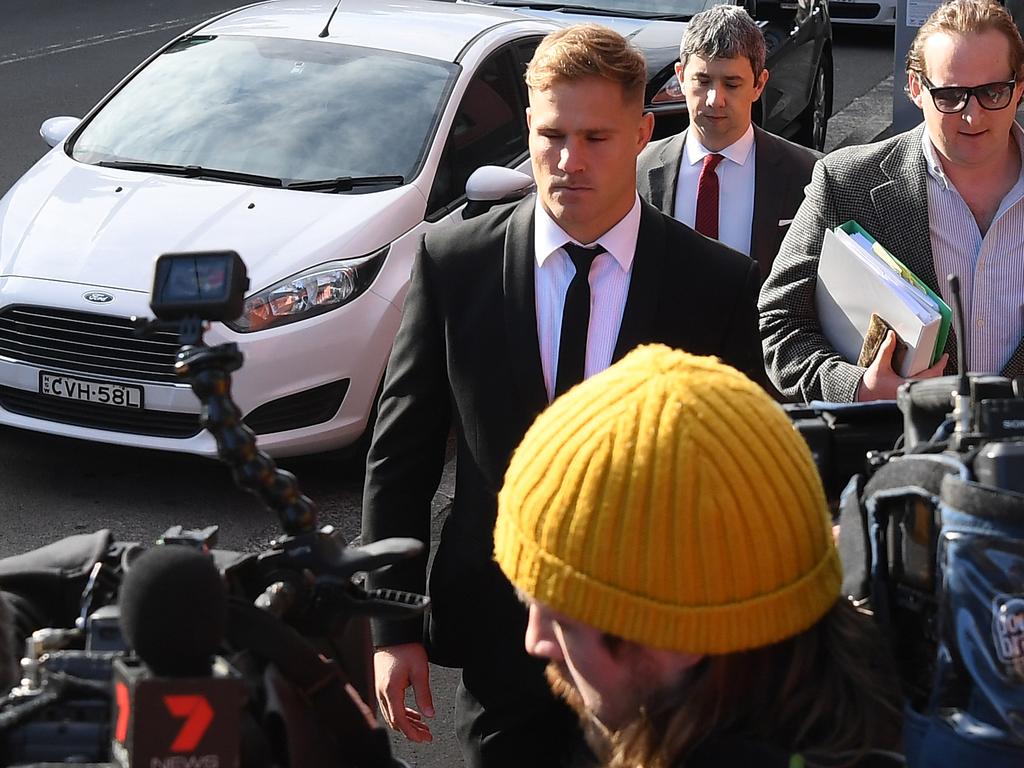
{"points": [[657, 39], [104, 227]]}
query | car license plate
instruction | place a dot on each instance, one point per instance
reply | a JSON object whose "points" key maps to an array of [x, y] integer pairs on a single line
{"points": [[90, 390]]}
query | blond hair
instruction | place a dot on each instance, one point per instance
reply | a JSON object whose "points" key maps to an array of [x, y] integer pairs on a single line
{"points": [[588, 50], [968, 17]]}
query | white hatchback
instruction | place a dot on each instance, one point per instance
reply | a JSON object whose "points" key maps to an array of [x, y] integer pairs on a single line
{"points": [[321, 152]]}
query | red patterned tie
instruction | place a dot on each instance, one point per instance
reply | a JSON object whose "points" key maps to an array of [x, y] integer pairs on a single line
{"points": [[706, 220]]}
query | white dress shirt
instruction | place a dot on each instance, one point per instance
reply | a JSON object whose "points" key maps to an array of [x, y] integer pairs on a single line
{"points": [[991, 268], [609, 285], [735, 187]]}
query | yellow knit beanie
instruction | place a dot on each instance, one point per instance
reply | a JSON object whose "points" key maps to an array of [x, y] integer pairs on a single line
{"points": [[669, 501]]}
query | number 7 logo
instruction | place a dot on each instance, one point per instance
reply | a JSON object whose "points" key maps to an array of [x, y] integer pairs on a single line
{"points": [[198, 715]]}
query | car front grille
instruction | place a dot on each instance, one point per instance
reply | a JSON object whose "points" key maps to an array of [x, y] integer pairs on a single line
{"points": [[86, 343], [853, 10], [134, 421]]}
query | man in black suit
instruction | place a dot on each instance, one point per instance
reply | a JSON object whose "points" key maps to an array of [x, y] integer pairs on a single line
{"points": [[497, 321], [751, 192]]}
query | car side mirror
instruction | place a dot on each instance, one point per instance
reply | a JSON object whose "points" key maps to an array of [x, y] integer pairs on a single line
{"points": [[56, 129], [492, 184]]}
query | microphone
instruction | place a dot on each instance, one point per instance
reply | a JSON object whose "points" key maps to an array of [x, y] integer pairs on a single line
{"points": [[962, 393], [177, 704], [174, 610]]}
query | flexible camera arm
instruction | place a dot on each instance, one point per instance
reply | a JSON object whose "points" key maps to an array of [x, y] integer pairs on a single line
{"points": [[208, 370], [304, 546]]}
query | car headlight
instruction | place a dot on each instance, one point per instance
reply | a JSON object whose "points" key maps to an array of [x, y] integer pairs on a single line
{"points": [[670, 93], [310, 293]]}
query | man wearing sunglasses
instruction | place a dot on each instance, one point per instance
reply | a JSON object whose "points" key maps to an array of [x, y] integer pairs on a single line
{"points": [[946, 198]]}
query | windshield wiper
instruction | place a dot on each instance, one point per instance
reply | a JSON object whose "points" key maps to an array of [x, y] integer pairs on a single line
{"points": [[589, 10], [194, 172], [345, 183]]}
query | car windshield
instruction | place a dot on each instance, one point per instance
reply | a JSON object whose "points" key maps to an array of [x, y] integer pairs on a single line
{"points": [[284, 109], [636, 8]]}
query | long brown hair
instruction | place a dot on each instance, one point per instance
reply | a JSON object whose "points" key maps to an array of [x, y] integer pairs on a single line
{"points": [[829, 694]]}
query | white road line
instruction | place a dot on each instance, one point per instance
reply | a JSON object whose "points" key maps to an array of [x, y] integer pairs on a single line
{"points": [[88, 42]]}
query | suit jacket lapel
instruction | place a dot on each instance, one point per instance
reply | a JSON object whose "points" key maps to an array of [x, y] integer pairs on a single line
{"points": [[664, 175], [901, 209], [767, 201], [644, 283], [521, 307]]}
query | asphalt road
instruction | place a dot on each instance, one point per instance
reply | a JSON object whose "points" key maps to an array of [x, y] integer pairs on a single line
{"points": [[863, 57], [59, 58]]}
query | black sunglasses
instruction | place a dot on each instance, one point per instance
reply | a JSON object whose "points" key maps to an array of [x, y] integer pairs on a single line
{"points": [[952, 99]]}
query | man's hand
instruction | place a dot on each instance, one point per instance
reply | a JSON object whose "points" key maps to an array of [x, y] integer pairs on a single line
{"points": [[880, 381], [395, 668]]}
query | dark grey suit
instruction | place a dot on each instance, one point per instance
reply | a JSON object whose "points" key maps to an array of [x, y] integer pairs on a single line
{"points": [[884, 187], [781, 171]]}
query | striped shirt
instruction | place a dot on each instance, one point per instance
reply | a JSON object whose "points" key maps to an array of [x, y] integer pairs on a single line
{"points": [[991, 268], [609, 285]]}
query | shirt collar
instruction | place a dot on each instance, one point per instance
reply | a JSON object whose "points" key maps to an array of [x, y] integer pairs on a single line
{"points": [[935, 170], [619, 241], [738, 151]]}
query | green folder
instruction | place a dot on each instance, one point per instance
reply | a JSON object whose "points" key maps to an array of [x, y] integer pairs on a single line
{"points": [[852, 227]]}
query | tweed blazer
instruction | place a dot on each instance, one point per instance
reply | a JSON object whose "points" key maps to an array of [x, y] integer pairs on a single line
{"points": [[781, 171], [884, 187]]}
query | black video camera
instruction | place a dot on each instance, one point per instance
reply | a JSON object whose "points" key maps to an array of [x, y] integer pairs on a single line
{"points": [[182, 654], [931, 517]]}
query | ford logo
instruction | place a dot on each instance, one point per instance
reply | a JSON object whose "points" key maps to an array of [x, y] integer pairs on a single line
{"points": [[98, 297]]}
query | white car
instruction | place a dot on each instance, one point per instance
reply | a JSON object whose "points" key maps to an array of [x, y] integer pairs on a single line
{"points": [[320, 146]]}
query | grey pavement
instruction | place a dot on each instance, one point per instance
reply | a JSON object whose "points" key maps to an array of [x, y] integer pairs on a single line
{"points": [[864, 119]]}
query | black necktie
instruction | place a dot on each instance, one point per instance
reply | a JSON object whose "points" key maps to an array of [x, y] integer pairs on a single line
{"points": [[572, 344]]}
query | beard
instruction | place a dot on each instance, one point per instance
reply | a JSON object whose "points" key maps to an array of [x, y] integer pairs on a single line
{"points": [[562, 686], [595, 734]]}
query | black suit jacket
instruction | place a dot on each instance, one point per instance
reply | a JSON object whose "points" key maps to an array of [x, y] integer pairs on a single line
{"points": [[467, 352], [781, 171]]}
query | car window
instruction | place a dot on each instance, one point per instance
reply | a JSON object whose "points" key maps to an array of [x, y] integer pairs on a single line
{"points": [[489, 129], [289, 109]]}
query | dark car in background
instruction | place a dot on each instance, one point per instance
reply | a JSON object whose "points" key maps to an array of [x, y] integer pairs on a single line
{"points": [[796, 103]]}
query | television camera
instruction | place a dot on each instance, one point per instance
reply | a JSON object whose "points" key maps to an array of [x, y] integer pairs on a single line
{"points": [[182, 654], [929, 495]]}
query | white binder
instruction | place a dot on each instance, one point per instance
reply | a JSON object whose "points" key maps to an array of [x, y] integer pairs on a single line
{"points": [[853, 282]]}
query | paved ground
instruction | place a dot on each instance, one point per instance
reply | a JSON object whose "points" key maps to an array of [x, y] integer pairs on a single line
{"points": [[863, 120]]}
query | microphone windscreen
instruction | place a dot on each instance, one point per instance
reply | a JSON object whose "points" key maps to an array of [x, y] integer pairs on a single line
{"points": [[174, 610]]}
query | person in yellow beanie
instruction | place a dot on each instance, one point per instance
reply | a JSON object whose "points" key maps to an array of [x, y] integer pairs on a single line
{"points": [[666, 526]]}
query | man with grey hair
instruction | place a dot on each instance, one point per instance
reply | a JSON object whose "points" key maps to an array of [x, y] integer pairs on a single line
{"points": [[724, 176]]}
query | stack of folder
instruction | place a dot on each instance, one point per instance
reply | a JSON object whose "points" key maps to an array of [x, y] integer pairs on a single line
{"points": [[858, 278]]}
